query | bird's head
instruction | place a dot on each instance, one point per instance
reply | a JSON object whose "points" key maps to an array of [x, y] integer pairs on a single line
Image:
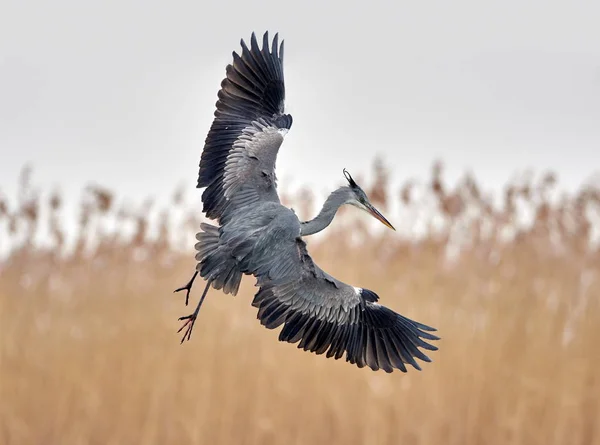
{"points": [[358, 198]]}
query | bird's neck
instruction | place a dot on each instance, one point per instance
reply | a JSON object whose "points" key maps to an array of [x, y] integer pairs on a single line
{"points": [[335, 200]]}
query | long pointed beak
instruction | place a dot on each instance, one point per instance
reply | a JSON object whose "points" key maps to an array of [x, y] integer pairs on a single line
{"points": [[373, 211]]}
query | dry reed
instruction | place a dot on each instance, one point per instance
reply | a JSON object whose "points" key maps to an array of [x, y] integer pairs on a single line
{"points": [[89, 353]]}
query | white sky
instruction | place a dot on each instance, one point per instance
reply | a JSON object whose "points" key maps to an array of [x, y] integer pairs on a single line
{"points": [[122, 92]]}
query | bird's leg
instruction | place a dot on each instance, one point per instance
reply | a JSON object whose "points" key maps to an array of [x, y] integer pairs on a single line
{"points": [[187, 287], [191, 319]]}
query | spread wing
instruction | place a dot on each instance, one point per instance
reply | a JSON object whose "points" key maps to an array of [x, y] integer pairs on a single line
{"points": [[325, 314], [237, 166]]}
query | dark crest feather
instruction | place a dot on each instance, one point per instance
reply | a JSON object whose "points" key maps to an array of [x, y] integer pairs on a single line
{"points": [[349, 178]]}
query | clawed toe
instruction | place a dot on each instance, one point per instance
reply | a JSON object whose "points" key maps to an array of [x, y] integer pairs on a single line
{"points": [[187, 294], [187, 288], [189, 324]]}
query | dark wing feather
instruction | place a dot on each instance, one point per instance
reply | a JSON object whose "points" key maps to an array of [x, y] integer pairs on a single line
{"points": [[237, 166], [342, 320], [324, 314]]}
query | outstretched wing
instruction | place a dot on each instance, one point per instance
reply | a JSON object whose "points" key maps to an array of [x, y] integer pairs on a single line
{"points": [[237, 166], [325, 314]]}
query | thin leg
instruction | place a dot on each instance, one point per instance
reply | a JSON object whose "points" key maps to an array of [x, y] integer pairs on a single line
{"points": [[191, 319], [188, 288]]}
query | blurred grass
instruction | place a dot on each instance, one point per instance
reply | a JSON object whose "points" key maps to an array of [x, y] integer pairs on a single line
{"points": [[89, 353]]}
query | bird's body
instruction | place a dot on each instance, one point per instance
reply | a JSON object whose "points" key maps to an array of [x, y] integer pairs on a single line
{"points": [[256, 235]]}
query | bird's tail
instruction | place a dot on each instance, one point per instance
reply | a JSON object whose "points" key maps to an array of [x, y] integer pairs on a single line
{"points": [[215, 262]]}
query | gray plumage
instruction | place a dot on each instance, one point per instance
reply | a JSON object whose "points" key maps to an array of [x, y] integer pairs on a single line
{"points": [[256, 235]]}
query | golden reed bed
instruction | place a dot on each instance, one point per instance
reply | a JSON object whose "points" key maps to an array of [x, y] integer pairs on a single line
{"points": [[89, 352]]}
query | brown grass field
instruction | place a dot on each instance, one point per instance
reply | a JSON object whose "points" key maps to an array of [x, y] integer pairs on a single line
{"points": [[89, 352]]}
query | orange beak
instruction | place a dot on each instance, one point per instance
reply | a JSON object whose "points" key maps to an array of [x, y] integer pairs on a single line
{"points": [[373, 211]]}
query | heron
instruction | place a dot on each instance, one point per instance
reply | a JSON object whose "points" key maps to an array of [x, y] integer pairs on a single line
{"points": [[255, 235]]}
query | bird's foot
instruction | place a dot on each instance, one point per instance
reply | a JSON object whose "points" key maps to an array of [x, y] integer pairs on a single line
{"points": [[187, 288], [191, 319], [189, 325]]}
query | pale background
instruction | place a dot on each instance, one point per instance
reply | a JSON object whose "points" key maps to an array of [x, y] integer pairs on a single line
{"points": [[122, 92]]}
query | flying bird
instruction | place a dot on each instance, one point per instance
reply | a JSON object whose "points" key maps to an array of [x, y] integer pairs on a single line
{"points": [[256, 235]]}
